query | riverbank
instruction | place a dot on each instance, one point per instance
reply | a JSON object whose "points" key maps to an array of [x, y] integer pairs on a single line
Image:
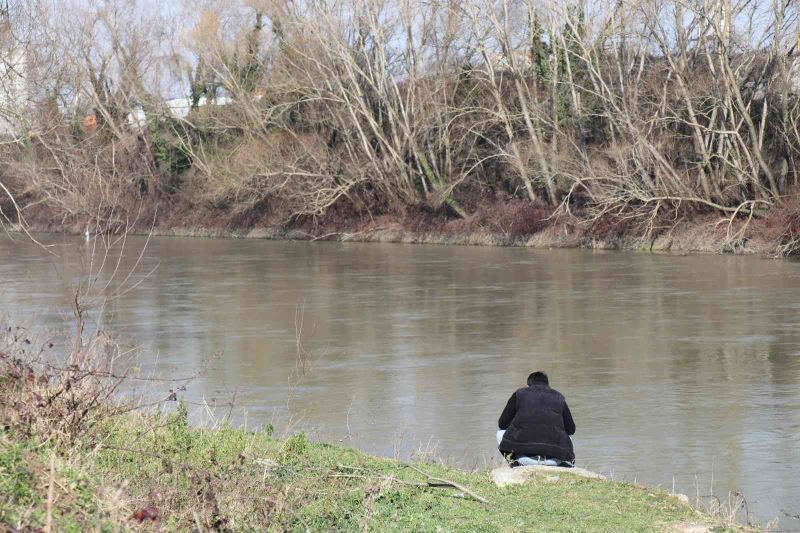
{"points": [[445, 145], [75, 456], [516, 224], [158, 472]]}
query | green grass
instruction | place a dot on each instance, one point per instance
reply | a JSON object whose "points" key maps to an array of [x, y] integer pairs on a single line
{"points": [[24, 483], [230, 479]]}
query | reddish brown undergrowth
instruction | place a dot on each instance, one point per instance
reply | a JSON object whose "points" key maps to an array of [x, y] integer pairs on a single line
{"points": [[49, 397]]}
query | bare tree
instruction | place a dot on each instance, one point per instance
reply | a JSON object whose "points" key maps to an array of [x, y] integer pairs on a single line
{"points": [[639, 109]]}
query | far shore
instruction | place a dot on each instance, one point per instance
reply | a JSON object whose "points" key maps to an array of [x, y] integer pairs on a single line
{"points": [[687, 237]]}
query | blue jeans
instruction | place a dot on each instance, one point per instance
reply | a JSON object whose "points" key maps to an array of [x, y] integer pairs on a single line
{"points": [[536, 460]]}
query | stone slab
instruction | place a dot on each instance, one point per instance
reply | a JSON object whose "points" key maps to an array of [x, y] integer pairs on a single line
{"points": [[505, 475]]}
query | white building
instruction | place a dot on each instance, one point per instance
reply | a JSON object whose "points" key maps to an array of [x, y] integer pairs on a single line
{"points": [[176, 107]]}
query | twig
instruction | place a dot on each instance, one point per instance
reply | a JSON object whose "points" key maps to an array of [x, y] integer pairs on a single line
{"points": [[197, 523], [51, 487], [744, 504]]}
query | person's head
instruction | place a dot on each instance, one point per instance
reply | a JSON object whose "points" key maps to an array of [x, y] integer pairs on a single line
{"points": [[538, 377]]}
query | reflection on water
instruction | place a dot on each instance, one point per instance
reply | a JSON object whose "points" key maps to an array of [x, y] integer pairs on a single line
{"points": [[677, 369]]}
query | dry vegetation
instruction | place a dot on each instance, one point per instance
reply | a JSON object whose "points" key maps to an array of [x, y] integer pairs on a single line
{"points": [[623, 118]]}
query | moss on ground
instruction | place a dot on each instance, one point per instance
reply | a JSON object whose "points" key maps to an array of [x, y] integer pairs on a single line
{"points": [[145, 472]]}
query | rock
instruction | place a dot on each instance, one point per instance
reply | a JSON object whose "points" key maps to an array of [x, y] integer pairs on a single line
{"points": [[683, 498], [505, 475]]}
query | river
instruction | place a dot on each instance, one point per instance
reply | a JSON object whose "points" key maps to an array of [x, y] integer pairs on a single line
{"points": [[679, 370]]}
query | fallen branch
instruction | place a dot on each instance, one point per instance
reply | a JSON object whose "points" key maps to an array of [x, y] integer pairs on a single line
{"points": [[439, 482], [431, 481]]}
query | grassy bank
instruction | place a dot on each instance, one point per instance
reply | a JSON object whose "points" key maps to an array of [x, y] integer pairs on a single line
{"points": [[74, 456], [139, 471]]}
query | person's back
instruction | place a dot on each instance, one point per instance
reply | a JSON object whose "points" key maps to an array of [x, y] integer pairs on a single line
{"points": [[536, 424]]}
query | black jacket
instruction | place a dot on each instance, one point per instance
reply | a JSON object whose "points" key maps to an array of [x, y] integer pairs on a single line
{"points": [[537, 422]]}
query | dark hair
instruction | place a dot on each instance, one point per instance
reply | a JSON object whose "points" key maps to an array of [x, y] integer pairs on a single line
{"points": [[538, 377]]}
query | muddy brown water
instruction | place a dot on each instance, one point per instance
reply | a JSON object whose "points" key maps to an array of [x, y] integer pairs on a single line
{"points": [[680, 371]]}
